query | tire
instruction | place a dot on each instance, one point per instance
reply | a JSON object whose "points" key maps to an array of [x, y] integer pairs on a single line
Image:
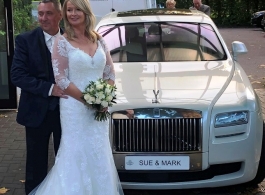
{"points": [[261, 169]]}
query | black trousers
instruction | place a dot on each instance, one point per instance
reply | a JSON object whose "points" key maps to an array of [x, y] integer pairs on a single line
{"points": [[37, 143]]}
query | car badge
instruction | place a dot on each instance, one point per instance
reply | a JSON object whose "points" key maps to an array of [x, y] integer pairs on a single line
{"points": [[130, 163], [155, 101]]}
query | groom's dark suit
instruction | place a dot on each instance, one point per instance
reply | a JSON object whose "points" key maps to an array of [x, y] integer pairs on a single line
{"points": [[204, 8], [32, 72]]}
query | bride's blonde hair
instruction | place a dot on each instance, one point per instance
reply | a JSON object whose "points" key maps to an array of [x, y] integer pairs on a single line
{"points": [[90, 20]]}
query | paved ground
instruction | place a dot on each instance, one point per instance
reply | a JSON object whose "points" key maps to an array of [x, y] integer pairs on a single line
{"points": [[13, 154], [253, 62], [12, 142]]}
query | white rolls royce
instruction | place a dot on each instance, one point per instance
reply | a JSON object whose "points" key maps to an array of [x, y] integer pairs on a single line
{"points": [[186, 114]]}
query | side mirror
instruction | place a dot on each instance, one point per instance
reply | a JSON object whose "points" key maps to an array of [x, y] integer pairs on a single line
{"points": [[238, 48]]}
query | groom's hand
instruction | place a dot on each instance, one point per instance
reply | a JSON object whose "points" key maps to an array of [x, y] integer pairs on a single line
{"points": [[57, 91]]}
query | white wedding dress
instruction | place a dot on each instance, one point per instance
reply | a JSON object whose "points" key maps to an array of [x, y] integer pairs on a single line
{"points": [[84, 164]]}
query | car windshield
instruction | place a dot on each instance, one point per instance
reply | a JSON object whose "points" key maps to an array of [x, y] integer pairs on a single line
{"points": [[162, 42]]}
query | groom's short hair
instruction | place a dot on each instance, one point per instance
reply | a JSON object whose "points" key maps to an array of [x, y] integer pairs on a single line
{"points": [[56, 4]]}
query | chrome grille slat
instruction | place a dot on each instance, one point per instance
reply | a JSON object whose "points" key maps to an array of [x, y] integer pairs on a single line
{"points": [[172, 133], [132, 132], [126, 138], [194, 132], [182, 135], [119, 136], [156, 135], [146, 124], [153, 134], [177, 134], [131, 139]]}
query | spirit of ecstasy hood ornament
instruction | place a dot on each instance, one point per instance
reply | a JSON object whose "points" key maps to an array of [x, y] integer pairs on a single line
{"points": [[155, 91], [155, 101]]}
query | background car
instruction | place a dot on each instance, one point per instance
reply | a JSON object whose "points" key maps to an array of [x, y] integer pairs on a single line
{"points": [[256, 19], [263, 22], [186, 113]]}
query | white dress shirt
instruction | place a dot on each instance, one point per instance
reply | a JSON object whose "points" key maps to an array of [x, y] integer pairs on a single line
{"points": [[49, 40]]}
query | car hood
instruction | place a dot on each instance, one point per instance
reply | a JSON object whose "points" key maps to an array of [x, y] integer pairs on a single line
{"points": [[177, 84]]}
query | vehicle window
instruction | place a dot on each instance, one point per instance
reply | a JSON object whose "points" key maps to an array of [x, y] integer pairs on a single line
{"points": [[162, 42], [126, 43]]}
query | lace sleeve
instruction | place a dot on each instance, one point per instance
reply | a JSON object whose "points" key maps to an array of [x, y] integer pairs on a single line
{"points": [[60, 62], [108, 72]]}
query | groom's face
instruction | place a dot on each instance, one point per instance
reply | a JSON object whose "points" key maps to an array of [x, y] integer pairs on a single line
{"points": [[49, 17]]}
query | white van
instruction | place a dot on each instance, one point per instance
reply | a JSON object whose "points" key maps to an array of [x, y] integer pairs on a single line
{"points": [[102, 7]]}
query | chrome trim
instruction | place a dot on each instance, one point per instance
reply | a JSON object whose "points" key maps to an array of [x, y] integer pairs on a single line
{"points": [[155, 90], [229, 135], [150, 113], [7, 33], [172, 130]]}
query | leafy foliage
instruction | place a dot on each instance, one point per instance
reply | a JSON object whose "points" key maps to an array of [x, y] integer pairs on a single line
{"points": [[227, 12], [23, 20], [223, 12]]}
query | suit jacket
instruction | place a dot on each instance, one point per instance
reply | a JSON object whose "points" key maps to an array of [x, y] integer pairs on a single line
{"points": [[32, 71], [205, 9]]}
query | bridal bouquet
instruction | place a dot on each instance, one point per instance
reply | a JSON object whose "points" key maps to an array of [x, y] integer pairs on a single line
{"points": [[99, 95]]}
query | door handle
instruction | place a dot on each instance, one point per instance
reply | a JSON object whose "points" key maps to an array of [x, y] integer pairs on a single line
{"points": [[7, 34]]}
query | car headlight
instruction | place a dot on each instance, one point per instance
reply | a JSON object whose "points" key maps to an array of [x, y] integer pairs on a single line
{"points": [[231, 118]]}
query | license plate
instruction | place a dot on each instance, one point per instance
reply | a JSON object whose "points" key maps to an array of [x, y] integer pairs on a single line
{"points": [[157, 162]]}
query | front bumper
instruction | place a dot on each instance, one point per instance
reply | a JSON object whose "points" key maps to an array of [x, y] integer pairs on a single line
{"points": [[231, 171], [228, 161]]}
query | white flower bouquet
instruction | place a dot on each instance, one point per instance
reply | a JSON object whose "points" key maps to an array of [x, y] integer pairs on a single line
{"points": [[100, 95]]}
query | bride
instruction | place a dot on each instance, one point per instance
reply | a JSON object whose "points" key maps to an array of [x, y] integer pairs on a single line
{"points": [[84, 164]]}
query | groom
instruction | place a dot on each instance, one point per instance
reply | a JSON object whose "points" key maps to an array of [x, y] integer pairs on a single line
{"points": [[38, 108]]}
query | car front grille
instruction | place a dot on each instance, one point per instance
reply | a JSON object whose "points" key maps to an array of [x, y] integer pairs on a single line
{"points": [[156, 135]]}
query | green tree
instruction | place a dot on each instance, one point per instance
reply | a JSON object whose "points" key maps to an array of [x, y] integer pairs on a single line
{"points": [[231, 13], [22, 16]]}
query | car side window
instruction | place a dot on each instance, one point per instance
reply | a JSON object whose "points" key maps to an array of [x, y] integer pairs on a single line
{"points": [[135, 43], [115, 40], [126, 42]]}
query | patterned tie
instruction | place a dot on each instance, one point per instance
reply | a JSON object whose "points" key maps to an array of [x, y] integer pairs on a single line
{"points": [[50, 43]]}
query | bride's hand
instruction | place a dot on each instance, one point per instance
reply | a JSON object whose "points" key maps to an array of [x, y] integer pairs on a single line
{"points": [[87, 105]]}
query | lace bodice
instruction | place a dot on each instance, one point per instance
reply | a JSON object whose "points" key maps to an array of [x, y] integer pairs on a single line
{"points": [[66, 58]]}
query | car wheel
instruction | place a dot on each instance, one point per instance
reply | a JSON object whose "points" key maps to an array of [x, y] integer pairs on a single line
{"points": [[261, 169]]}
